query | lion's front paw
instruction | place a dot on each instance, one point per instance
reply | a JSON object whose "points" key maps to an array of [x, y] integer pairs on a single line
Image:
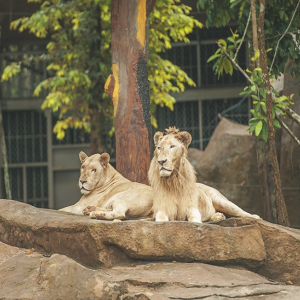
{"points": [[256, 217], [88, 210], [98, 215]]}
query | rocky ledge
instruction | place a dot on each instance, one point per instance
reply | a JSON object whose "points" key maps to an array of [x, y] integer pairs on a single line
{"points": [[267, 249]]}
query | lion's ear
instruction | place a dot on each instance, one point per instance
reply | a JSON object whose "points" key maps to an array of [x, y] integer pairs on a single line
{"points": [[104, 160], [184, 137], [157, 137], [82, 156]]}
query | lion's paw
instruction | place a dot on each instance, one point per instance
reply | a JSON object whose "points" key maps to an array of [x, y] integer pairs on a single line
{"points": [[256, 217], [98, 215], [93, 215], [217, 217], [88, 210]]}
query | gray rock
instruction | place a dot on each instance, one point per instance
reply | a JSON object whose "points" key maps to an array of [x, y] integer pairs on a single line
{"points": [[97, 243], [35, 277], [229, 164]]}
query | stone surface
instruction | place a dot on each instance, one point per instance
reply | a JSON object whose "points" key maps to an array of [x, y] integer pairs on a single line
{"points": [[95, 243], [32, 276], [282, 246], [194, 156], [229, 164], [268, 249]]}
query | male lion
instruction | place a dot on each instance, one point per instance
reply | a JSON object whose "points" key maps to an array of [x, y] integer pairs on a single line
{"points": [[107, 194], [177, 196]]}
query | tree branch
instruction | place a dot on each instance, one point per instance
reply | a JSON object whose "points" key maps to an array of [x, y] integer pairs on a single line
{"points": [[284, 35], [288, 130], [240, 45], [292, 114], [238, 67]]}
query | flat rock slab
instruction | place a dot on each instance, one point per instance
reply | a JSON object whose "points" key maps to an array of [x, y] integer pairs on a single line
{"points": [[29, 275], [103, 243], [282, 246]]}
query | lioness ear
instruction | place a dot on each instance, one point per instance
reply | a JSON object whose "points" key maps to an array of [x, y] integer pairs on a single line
{"points": [[184, 137], [157, 137], [82, 156], [104, 160]]}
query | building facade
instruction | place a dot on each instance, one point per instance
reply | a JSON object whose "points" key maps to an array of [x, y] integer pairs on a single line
{"points": [[44, 171]]}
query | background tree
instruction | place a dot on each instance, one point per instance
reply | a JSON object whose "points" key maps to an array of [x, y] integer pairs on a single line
{"points": [[273, 18], [79, 60]]}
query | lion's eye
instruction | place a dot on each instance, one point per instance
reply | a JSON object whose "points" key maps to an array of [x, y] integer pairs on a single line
{"points": [[172, 146], [82, 167], [94, 170], [158, 148]]}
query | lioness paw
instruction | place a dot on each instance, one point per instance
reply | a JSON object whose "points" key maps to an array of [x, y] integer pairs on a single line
{"points": [[88, 210]]}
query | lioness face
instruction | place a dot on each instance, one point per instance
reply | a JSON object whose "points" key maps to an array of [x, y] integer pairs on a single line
{"points": [[169, 152], [92, 171]]}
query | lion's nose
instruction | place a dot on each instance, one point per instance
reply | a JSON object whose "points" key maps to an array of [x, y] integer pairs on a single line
{"points": [[83, 181], [162, 161]]}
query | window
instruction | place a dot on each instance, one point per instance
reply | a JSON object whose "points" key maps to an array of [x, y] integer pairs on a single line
{"points": [[26, 143]]}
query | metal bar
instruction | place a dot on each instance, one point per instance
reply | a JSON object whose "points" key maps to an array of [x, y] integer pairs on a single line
{"points": [[50, 169], [25, 199], [200, 123]]}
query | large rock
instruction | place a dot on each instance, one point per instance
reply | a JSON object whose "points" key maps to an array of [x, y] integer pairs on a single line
{"points": [[229, 165], [290, 155], [29, 275], [282, 245], [98, 243], [269, 249]]}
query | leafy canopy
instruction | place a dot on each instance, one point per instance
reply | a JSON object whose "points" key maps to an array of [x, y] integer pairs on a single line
{"points": [[79, 59], [277, 21]]}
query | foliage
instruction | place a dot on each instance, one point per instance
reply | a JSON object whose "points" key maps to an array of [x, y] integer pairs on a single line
{"points": [[169, 22], [78, 56], [257, 91], [277, 17]]}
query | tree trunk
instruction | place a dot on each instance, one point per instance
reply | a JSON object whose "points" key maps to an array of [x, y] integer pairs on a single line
{"points": [[96, 142], [129, 87], [290, 152], [4, 158], [281, 212]]}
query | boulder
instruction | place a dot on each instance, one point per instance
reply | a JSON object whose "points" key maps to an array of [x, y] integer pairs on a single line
{"points": [[290, 155], [282, 245], [103, 243], [194, 156], [229, 165], [28, 275], [271, 250]]}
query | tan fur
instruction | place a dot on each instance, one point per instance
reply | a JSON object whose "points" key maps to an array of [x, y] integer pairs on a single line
{"points": [[107, 194], [177, 196]]}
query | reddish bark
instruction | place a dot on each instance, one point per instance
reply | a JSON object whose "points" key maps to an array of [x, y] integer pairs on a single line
{"points": [[129, 88], [280, 207]]}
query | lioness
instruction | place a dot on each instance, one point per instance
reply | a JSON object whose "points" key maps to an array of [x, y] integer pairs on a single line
{"points": [[107, 194], [177, 196]]}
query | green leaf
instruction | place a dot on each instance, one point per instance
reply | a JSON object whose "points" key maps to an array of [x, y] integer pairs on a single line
{"points": [[258, 128], [257, 107], [264, 132], [253, 88], [256, 55], [255, 97], [276, 123], [223, 43], [213, 57], [275, 92]]}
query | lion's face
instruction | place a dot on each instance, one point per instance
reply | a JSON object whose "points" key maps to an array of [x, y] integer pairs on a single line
{"points": [[169, 151], [92, 171]]}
